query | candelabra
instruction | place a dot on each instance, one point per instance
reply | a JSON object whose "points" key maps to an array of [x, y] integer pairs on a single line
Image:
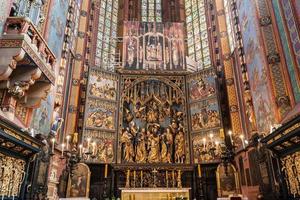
{"points": [[74, 153]]}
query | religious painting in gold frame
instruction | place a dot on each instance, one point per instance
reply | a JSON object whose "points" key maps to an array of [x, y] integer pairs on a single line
{"points": [[79, 182], [227, 180]]}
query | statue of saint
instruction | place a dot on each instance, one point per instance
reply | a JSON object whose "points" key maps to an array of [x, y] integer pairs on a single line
{"points": [[148, 52], [141, 153], [179, 147], [175, 55], [141, 54], [159, 51], [169, 141], [126, 139], [57, 121], [131, 52], [154, 141], [75, 138], [164, 149], [167, 53], [152, 114], [173, 127], [153, 52]]}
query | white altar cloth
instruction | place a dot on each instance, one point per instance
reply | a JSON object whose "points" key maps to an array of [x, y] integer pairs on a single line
{"points": [[75, 198]]}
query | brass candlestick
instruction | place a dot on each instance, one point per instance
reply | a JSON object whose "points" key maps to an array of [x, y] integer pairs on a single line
{"points": [[173, 178], [199, 171], [167, 179], [128, 179], [154, 177], [134, 178], [179, 179], [141, 178]]}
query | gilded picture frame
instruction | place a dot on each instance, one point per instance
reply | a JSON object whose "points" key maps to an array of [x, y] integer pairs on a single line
{"points": [[227, 183], [79, 183]]}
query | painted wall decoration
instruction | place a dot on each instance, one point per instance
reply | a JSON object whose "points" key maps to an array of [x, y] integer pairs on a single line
{"points": [[256, 63], [201, 87], [205, 115], [293, 27], [154, 46], [103, 85], [4, 12], [296, 4], [56, 29], [286, 50], [207, 146], [105, 145], [42, 117], [101, 114]]}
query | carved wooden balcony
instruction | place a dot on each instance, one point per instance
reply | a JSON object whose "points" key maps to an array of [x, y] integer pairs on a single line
{"points": [[26, 62]]}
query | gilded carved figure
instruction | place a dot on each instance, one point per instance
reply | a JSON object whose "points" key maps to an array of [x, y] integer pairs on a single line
{"points": [[126, 140], [154, 151], [141, 152], [179, 147]]}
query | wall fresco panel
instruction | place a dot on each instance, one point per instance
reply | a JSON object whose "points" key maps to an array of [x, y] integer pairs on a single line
{"points": [[5, 6], [42, 117], [57, 23], [257, 65]]}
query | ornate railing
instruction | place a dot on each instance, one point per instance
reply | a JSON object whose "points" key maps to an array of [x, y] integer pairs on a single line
{"points": [[15, 26]]}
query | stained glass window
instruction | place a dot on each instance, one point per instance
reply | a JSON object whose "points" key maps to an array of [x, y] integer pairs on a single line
{"points": [[230, 29], [151, 11], [106, 38], [197, 36], [30, 9]]}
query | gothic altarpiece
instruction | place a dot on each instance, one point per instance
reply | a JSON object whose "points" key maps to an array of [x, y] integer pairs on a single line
{"points": [[152, 121]]}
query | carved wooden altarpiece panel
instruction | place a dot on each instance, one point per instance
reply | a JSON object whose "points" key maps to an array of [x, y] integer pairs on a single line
{"points": [[152, 120], [100, 123]]}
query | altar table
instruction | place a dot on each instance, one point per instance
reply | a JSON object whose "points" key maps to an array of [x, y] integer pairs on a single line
{"points": [[155, 193], [226, 198]]}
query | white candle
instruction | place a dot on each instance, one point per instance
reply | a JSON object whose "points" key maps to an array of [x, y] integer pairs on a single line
{"points": [[53, 143], [94, 147], [230, 136], [80, 150], [204, 143], [62, 149], [68, 138], [243, 141], [211, 137], [88, 146], [32, 132], [271, 128]]}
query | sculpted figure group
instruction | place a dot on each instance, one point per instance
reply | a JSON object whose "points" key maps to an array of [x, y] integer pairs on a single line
{"points": [[154, 143]]}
